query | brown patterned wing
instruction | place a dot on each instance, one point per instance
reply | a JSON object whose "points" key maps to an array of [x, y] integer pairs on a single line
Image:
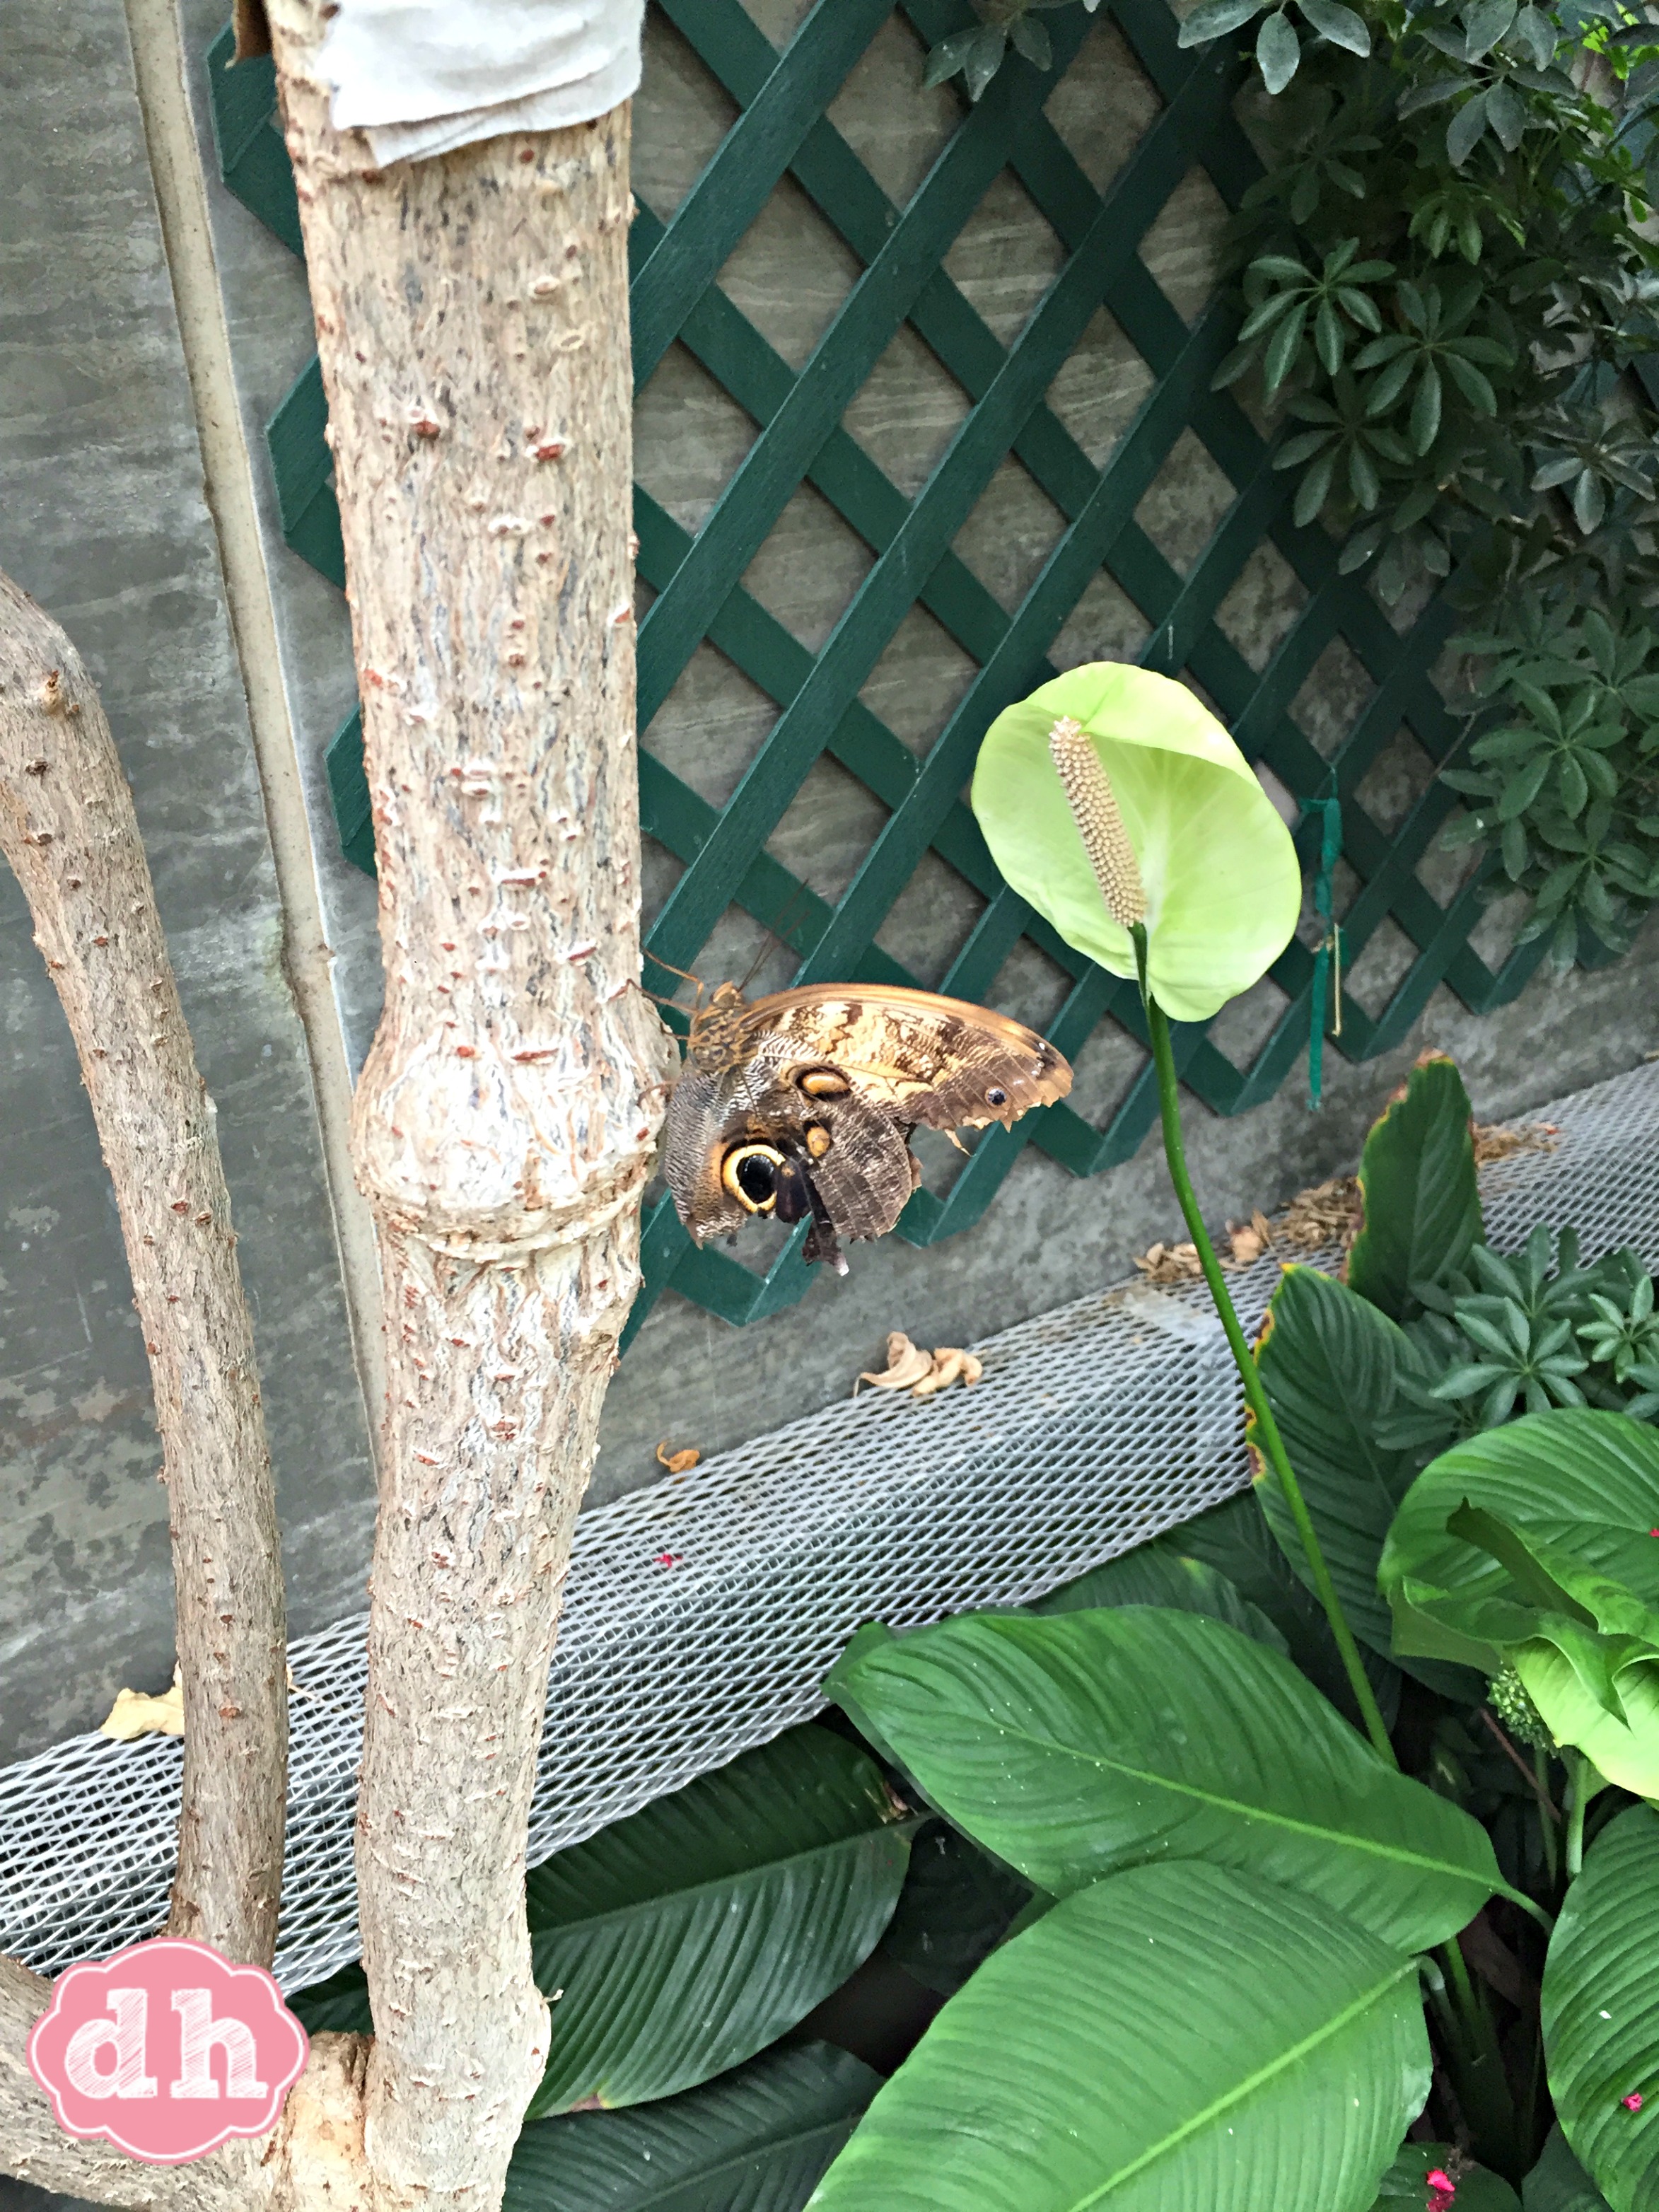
{"points": [[841, 1148], [692, 1150], [925, 1060]]}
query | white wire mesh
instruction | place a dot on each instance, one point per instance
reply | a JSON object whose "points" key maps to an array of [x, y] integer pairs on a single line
{"points": [[702, 1614]]}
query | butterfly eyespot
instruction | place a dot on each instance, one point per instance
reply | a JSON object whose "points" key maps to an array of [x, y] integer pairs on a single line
{"points": [[823, 1083], [819, 1139], [996, 1095], [750, 1173]]}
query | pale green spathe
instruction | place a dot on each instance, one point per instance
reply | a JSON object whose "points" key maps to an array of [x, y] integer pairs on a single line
{"points": [[1624, 1751], [1223, 887]]}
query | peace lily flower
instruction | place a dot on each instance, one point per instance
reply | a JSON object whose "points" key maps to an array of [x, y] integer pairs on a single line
{"points": [[1623, 1746], [1170, 825]]}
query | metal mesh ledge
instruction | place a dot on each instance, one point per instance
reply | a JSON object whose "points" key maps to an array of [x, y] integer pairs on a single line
{"points": [[702, 1615]]}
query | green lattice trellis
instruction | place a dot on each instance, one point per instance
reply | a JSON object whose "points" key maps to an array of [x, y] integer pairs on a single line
{"points": [[781, 127]]}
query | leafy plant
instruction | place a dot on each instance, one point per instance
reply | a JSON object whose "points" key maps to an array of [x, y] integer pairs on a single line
{"points": [[1005, 27], [1420, 1203], [1568, 785], [755, 2141], [1487, 184], [1447, 272]]}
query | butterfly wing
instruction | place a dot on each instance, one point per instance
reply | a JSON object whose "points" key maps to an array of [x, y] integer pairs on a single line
{"points": [[696, 1134], [930, 1060], [808, 1103], [851, 1151]]}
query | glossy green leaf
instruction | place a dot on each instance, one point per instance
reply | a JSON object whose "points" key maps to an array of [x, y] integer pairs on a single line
{"points": [[1580, 1484], [1177, 2039], [1155, 1574], [1222, 882], [1234, 1539], [690, 1936], [956, 1906], [1074, 1747], [1416, 1186], [1328, 1358], [1339, 24], [756, 2140], [679, 1941], [1558, 2183], [1404, 2187], [1600, 2013], [1214, 18]]}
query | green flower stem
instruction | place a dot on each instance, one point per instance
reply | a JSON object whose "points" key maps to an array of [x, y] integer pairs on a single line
{"points": [[1578, 1794], [1476, 2064], [1267, 1437], [1546, 1820]]}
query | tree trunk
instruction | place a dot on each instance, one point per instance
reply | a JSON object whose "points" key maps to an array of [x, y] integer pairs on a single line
{"points": [[471, 312], [471, 317], [68, 828]]}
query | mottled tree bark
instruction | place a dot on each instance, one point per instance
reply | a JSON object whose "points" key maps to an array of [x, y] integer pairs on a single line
{"points": [[471, 313], [68, 828], [471, 317]]}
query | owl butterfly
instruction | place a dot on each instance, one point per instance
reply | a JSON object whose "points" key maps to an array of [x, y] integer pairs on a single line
{"points": [[802, 1105]]}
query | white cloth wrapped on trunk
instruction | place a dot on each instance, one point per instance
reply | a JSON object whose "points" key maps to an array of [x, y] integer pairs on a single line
{"points": [[424, 76]]}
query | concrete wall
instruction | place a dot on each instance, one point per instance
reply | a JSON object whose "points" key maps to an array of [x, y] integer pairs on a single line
{"points": [[102, 516]]}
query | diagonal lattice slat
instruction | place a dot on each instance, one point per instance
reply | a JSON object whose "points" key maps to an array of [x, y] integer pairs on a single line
{"points": [[703, 596]]}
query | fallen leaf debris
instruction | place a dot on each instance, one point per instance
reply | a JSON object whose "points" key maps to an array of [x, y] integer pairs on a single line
{"points": [[1329, 1213], [923, 1373], [133, 1714]]}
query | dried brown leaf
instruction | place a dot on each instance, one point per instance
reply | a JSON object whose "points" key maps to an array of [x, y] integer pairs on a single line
{"points": [[133, 1714]]}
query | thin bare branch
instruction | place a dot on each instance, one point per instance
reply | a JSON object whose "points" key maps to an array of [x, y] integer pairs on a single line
{"points": [[68, 828]]}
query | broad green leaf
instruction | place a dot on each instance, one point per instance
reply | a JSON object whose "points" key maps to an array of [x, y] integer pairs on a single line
{"points": [[684, 1939], [1223, 886], [691, 1934], [1600, 2013], [1074, 1747], [1177, 2039], [1580, 1483], [1558, 2183], [1417, 1185], [1404, 2187], [956, 1906], [1328, 1358], [1464, 131], [1155, 1574], [1234, 1539], [756, 2140]]}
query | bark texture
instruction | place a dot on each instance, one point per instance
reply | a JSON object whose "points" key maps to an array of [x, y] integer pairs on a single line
{"points": [[471, 317], [68, 828]]}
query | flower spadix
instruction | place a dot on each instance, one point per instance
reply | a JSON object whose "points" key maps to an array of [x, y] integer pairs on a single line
{"points": [[1183, 827]]}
